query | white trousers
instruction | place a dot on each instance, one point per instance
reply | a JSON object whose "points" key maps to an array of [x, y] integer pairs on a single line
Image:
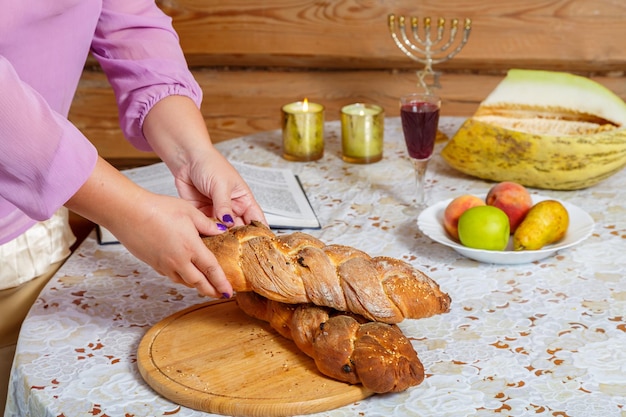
{"points": [[31, 254]]}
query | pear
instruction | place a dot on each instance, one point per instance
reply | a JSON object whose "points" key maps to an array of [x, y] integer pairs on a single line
{"points": [[545, 223]]}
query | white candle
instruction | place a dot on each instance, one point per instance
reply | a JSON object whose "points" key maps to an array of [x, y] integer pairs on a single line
{"points": [[303, 131], [362, 130]]}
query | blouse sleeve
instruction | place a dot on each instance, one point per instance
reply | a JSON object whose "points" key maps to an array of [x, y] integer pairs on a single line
{"points": [[44, 159], [140, 53]]}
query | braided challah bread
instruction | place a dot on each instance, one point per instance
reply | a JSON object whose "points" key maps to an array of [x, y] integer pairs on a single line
{"points": [[298, 268], [344, 347]]}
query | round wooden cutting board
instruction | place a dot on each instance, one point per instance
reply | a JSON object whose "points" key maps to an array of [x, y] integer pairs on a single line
{"points": [[214, 358]]}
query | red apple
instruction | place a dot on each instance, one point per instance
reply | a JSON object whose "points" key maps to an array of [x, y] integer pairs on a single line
{"points": [[512, 198]]}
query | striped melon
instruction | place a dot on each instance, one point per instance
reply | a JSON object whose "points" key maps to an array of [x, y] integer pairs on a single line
{"points": [[543, 129]]}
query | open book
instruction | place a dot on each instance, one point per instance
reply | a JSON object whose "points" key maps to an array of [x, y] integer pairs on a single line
{"points": [[278, 192]]}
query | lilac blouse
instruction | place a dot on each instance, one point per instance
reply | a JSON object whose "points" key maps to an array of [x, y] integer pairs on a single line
{"points": [[44, 159]]}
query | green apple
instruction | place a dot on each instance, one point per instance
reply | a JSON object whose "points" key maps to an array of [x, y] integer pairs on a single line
{"points": [[484, 227]]}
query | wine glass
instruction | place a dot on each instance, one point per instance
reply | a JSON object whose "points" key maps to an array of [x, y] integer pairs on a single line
{"points": [[419, 113]]}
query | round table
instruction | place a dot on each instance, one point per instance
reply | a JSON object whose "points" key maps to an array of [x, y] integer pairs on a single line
{"points": [[539, 339]]}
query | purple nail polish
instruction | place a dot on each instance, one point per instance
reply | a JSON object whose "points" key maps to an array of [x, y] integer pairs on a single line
{"points": [[225, 295], [227, 218], [221, 227]]}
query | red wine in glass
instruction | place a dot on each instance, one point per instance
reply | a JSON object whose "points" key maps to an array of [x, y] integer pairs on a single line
{"points": [[420, 119], [419, 124]]}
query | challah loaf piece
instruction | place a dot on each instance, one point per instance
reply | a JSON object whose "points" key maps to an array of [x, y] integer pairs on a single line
{"points": [[299, 268], [344, 347]]}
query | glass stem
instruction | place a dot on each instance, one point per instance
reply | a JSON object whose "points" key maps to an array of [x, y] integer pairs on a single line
{"points": [[420, 166]]}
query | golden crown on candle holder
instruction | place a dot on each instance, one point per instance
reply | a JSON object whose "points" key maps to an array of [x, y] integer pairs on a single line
{"points": [[431, 45]]}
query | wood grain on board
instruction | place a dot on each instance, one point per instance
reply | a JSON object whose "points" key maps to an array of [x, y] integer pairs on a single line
{"points": [[213, 357]]}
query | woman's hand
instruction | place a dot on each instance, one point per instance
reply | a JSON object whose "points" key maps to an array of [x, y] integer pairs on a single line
{"points": [[176, 130], [162, 231], [165, 233], [212, 185]]}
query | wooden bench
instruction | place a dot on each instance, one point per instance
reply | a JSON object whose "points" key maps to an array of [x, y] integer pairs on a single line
{"points": [[251, 57]]}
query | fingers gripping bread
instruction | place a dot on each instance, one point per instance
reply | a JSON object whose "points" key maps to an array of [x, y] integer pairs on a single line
{"points": [[343, 346], [299, 268]]}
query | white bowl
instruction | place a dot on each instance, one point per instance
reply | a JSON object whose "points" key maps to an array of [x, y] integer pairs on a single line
{"points": [[430, 222]]}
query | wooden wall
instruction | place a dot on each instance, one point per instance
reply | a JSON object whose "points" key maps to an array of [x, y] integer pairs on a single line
{"points": [[252, 56]]}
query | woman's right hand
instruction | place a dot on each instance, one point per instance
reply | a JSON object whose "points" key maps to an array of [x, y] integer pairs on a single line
{"points": [[165, 232], [166, 235]]}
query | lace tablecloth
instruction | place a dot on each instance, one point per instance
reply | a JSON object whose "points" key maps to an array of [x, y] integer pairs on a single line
{"points": [[540, 339]]}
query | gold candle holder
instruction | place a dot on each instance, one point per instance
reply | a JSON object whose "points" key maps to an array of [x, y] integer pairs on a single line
{"points": [[303, 131], [362, 133], [433, 45]]}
